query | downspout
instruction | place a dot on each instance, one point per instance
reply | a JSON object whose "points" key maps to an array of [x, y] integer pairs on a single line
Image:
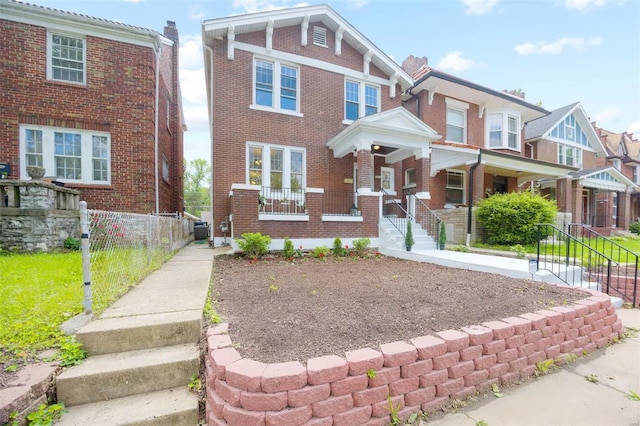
{"points": [[417, 98], [158, 52], [472, 170], [208, 49]]}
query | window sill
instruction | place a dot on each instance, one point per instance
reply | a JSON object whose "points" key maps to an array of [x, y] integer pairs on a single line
{"points": [[495, 148], [276, 110], [409, 186], [347, 122], [456, 142], [67, 83]]}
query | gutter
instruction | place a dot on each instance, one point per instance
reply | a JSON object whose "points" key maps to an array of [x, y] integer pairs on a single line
{"points": [[472, 170]]}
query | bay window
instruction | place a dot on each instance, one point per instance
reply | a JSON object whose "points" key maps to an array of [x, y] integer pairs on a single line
{"points": [[503, 130]]}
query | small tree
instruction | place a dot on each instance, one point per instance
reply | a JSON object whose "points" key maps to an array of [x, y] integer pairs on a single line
{"points": [[442, 235], [408, 237], [511, 219]]}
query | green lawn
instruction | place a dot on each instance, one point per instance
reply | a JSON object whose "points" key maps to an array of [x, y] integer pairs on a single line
{"points": [[39, 293]]}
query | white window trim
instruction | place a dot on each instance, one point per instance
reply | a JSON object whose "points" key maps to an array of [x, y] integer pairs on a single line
{"points": [[48, 153], [578, 157], [266, 163], [505, 129], [362, 107], [636, 177], [277, 72], [462, 107], [50, 56], [464, 188], [408, 184]]}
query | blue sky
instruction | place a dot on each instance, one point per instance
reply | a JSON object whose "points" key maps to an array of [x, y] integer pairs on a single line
{"points": [[556, 51]]}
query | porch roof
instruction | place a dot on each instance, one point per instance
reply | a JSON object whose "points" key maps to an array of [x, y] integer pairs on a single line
{"points": [[453, 156], [397, 130], [605, 178]]}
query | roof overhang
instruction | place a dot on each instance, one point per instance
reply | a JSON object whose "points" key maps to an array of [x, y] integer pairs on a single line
{"points": [[399, 131], [607, 179], [487, 99], [451, 157]]}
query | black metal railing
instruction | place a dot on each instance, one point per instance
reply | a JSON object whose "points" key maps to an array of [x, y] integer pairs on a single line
{"points": [[624, 274], [395, 212], [339, 203], [282, 201], [572, 261], [427, 218]]}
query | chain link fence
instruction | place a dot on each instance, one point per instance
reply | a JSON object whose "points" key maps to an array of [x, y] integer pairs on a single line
{"points": [[124, 248]]}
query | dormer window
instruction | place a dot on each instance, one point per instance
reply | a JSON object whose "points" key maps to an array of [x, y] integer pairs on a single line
{"points": [[320, 36]]}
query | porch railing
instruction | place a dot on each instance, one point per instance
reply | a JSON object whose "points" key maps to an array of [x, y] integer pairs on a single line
{"points": [[427, 218], [624, 273], [576, 263], [281, 201], [339, 203]]}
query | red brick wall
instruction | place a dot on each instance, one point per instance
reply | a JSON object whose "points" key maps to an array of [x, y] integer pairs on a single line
{"points": [[421, 375], [118, 98], [321, 102]]}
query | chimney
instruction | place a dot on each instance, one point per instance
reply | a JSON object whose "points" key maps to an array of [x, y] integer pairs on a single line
{"points": [[413, 64]]}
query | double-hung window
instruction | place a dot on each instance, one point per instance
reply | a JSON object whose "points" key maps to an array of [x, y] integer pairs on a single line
{"points": [[503, 130], [361, 99], [456, 121], [454, 189], [276, 87], [71, 155], [636, 175], [275, 166], [66, 58], [569, 155]]}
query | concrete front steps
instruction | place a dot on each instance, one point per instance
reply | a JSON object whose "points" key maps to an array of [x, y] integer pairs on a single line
{"points": [[391, 238], [137, 372]]}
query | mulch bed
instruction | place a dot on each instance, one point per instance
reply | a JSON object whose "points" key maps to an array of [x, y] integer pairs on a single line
{"points": [[280, 310]]}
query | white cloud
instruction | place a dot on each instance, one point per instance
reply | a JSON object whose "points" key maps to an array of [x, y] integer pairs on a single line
{"points": [[556, 47], [357, 4], [190, 52], [252, 6], [478, 7], [455, 62], [634, 128], [196, 12], [196, 117], [192, 86], [584, 5]]}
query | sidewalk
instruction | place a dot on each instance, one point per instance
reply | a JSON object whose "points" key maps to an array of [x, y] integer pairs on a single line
{"points": [[566, 397]]}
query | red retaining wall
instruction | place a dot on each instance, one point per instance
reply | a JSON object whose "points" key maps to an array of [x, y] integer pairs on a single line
{"points": [[421, 374]]}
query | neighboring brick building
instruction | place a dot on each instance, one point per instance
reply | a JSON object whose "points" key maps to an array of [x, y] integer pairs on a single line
{"points": [[96, 102]]}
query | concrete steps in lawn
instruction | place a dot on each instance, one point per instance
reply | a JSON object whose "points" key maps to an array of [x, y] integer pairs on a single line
{"points": [[105, 377], [123, 334], [167, 407]]}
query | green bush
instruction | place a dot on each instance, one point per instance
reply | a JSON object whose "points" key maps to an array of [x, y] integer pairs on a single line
{"points": [[72, 243], [408, 237], [361, 245], [634, 227], [511, 219], [320, 251], [287, 250], [254, 244], [337, 249]]}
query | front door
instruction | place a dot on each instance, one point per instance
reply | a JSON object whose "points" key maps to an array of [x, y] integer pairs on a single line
{"points": [[586, 207]]}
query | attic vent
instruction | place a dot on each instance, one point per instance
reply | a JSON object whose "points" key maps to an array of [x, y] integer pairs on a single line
{"points": [[320, 36]]}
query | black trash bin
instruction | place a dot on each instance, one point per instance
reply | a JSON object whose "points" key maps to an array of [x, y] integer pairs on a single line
{"points": [[200, 230]]}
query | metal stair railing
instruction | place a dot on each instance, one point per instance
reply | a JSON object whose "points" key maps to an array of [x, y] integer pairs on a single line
{"points": [[427, 218], [394, 212], [624, 273], [572, 261]]}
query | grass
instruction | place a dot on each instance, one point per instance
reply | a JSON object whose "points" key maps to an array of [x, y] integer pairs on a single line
{"points": [[40, 292]]}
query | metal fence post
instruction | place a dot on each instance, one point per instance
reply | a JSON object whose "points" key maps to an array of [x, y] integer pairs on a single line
{"points": [[86, 257]]}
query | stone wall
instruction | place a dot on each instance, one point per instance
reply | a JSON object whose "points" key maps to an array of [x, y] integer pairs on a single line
{"points": [[422, 374], [37, 216]]}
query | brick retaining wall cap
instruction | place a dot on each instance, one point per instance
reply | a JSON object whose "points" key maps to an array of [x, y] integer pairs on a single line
{"points": [[568, 314], [218, 341], [478, 334], [593, 305], [537, 321], [553, 317], [455, 340], [326, 369], [245, 374], [501, 330], [362, 360], [283, 376], [429, 346], [222, 328], [398, 353], [520, 325]]}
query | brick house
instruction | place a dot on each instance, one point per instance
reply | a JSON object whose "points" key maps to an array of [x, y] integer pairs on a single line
{"points": [[318, 134], [96, 103]]}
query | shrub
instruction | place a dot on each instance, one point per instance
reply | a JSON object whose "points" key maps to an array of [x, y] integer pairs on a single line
{"points": [[408, 237], [72, 243], [361, 245], [520, 251], [511, 219], [287, 250], [320, 251], [634, 227], [254, 244], [337, 249]]}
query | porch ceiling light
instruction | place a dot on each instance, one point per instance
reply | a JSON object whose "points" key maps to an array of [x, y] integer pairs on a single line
{"points": [[376, 147]]}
